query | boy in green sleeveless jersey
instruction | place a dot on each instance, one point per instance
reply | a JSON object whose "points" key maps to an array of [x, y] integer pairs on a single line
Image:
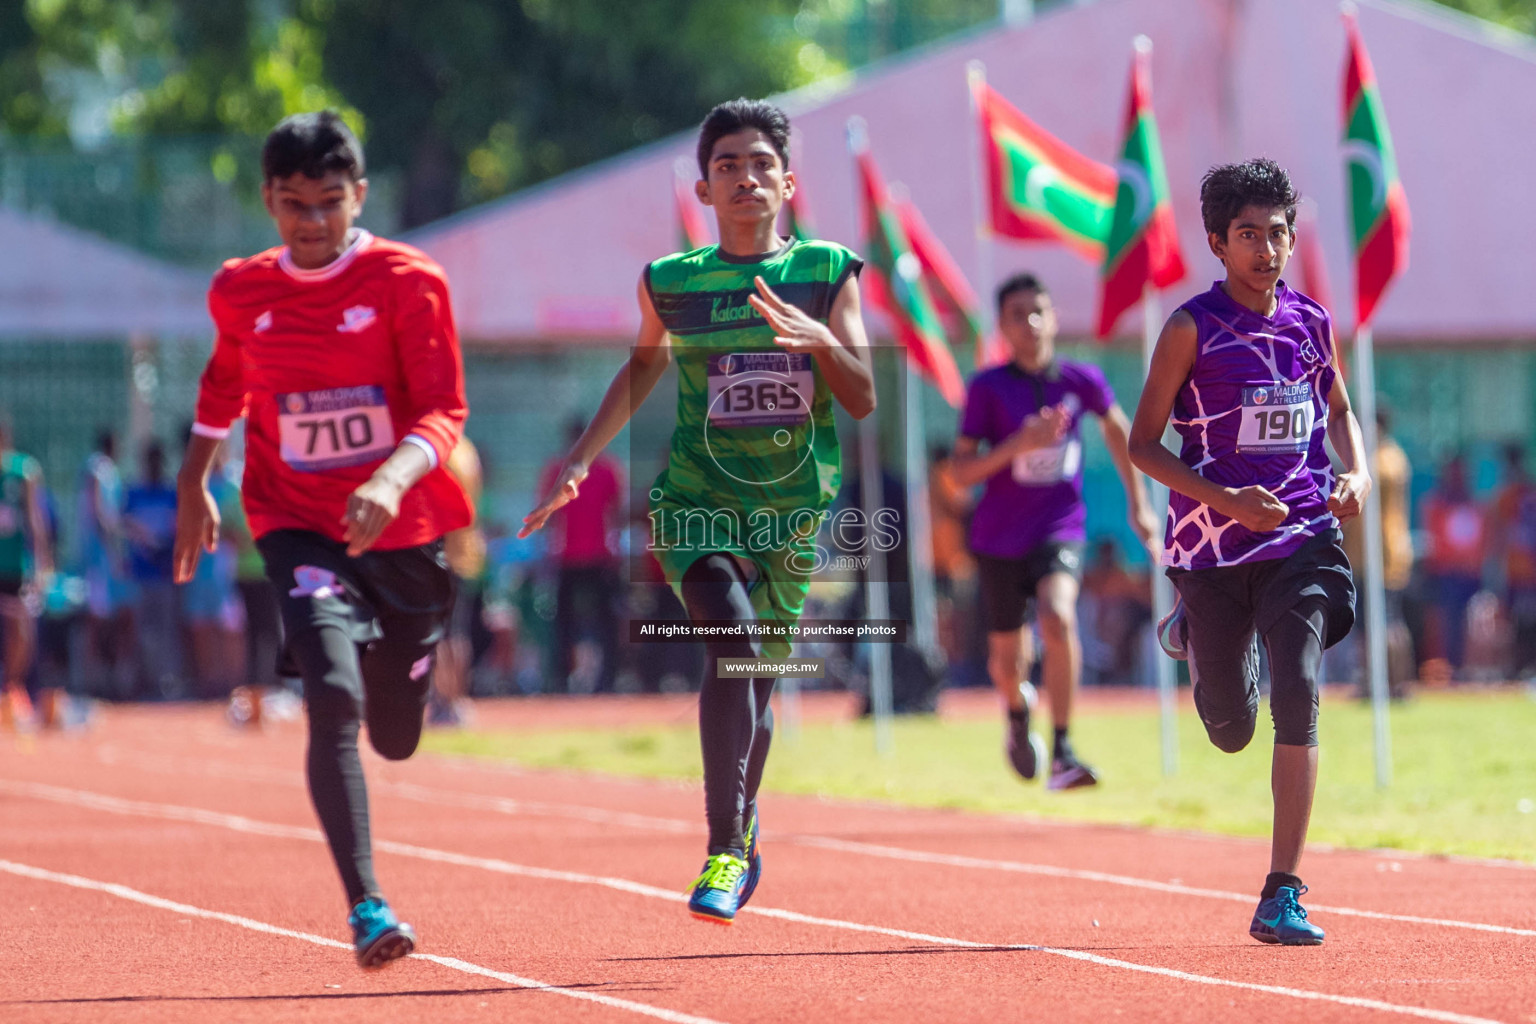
{"points": [[767, 334], [24, 563]]}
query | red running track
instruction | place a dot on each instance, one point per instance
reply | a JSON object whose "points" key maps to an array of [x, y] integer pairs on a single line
{"points": [[165, 868]]}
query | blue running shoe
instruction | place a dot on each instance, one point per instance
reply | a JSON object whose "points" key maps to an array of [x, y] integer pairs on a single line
{"points": [[1173, 631], [1282, 919], [378, 935], [754, 862], [715, 895]]}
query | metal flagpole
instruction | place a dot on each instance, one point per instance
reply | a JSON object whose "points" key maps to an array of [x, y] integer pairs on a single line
{"points": [[1375, 582], [877, 598], [976, 76], [1162, 588], [925, 631]]}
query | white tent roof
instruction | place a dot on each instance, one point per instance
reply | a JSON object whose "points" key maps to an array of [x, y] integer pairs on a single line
{"points": [[60, 282], [1231, 79]]}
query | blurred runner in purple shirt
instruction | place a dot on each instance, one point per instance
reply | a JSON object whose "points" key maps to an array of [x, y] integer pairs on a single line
{"points": [[1027, 530]]}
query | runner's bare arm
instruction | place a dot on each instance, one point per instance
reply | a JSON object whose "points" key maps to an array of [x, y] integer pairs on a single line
{"points": [[197, 514], [1353, 485], [1117, 430], [1172, 360], [839, 346], [37, 525], [630, 387]]}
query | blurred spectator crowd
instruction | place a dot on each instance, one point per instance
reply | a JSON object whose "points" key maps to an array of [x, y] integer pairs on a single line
{"points": [[552, 615]]}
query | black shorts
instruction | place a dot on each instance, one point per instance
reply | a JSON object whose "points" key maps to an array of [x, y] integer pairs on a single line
{"points": [[1008, 585], [1236, 600], [1225, 606], [10, 586], [405, 591]]}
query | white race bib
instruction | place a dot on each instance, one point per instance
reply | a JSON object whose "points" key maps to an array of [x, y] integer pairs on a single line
{"points": [[1276, 419], [760, 389], [9, 523], [1048, 465], [334, 428]]}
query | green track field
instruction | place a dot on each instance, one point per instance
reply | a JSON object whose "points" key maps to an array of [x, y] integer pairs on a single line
{"points": [[1464, 771]]}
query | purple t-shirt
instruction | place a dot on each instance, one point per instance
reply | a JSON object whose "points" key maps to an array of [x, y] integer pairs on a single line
{"points": [[1039, 497], [1253, 411]]}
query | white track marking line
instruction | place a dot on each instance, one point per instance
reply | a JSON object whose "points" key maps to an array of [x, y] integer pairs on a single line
{"points": [[101, 802], [453, 963], [511, 806]]}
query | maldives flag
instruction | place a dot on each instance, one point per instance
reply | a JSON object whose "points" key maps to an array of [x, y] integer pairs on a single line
{"points": [[946, 283], [797, 222], [1143, 243], [692, 226], [1378, 207], [1038, 187], [896, 283]]}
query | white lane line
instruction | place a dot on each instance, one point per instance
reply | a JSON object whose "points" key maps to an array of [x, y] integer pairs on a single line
{"points": [[453, 963], [98, 801], [597, 815]]}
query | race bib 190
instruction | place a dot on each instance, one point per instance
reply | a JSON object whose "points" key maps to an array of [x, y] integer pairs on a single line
{"points": [[1048, 465], [1276, 419], [334, 428], [760, 389]]}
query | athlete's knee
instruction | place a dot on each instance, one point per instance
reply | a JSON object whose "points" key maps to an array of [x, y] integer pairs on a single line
{"points": [[1229, 723], [395, 744], [1057, 623], [327, 703]]}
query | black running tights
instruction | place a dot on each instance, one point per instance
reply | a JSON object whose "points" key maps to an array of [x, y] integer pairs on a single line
{"points": [[735, 720]]}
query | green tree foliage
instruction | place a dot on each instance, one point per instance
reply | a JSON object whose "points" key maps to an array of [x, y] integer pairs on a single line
{"points": [[1516, 14], [463, 99], [473, 98]]}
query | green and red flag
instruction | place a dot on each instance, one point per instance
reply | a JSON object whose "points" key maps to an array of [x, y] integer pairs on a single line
{"points": [[946, 282], [796, 214], [1378, 206], [1038, 187], [895, 285], [1142, 248], [1314, 269], [692, 226]]}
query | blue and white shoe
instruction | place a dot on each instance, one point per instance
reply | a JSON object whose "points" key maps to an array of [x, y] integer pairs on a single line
{"points": [[378, 935], [754, 862], [715, 895], [1173, 631], [1282, 919]]}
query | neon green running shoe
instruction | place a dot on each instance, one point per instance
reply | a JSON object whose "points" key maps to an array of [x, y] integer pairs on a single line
{"points": [[754, 861], [715, 895]]}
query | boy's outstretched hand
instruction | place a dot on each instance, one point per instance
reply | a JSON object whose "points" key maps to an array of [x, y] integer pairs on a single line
{"points": [[567, 487], [793, 327]]}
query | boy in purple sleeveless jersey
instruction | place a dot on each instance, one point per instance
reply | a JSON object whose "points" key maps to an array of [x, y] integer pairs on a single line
{"points": [[1248, 374], [1027, 530]]}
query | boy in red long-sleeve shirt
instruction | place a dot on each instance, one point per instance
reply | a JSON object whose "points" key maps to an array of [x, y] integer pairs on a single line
{"points": [[339, 349]]}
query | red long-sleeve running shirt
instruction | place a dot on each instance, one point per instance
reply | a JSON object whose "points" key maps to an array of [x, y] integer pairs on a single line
{"points": [[334, 368]]}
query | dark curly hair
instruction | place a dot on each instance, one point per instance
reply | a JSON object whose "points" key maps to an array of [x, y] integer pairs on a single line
{"points": [[313, 145], [1226, 190], [739, 115]]}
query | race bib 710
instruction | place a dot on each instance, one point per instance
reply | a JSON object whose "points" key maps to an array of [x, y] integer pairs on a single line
{"points": [[1276, 419], [334, 428]]}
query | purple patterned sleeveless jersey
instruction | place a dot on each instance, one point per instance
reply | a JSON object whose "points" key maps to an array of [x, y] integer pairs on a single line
{"points": [[1253, 411]]}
